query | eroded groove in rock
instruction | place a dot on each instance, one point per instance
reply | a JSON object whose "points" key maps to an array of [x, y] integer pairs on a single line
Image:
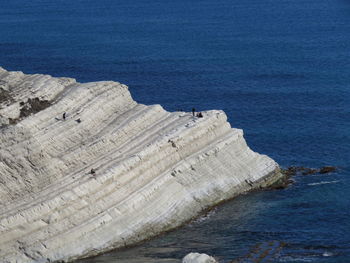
{"points": [[153, 170]]}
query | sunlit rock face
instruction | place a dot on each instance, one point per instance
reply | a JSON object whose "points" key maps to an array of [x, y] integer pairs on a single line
{"points": [[109, 172], [198, 258]]}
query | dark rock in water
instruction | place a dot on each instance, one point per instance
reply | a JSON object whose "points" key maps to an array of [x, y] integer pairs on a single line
{"points": [[285, 180], [292, 170], [299, 170], [327, 169], [287, 172], [307, 171], [282, 183]]}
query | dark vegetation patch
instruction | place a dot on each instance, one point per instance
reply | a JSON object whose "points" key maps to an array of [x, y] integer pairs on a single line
{"points": [[33, 106]]}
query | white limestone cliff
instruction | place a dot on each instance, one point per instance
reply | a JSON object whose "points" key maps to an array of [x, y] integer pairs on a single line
{"points": [[155, 170]]}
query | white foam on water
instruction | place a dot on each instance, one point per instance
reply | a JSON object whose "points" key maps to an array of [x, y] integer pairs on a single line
{"points": [[327, 254], [296, 259], [325, 182]]}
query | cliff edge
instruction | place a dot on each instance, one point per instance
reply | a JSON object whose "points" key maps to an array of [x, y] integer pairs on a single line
{"points": [[112, 172]]}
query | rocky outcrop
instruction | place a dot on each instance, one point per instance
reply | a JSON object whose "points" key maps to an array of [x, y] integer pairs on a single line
{"points": [[112, 172], [198, 258], [300, 170]]}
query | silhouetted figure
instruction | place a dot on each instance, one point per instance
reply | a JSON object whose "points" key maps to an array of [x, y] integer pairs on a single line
{"points": [[78, 120], [64, 116], [199, 115], [193, 111], [92, 171]]}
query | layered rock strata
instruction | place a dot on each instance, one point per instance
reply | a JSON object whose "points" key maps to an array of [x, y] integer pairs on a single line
{"points": [[153, 170]]}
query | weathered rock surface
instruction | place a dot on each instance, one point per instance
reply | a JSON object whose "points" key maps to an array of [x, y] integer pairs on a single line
{"points": [[198, 258], [154, 170]]}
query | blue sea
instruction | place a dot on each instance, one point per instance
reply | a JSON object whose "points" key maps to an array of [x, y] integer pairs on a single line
{"points": [[280, 69]]}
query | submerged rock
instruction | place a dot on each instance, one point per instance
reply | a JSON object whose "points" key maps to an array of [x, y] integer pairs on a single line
{"points": [[300, 170], [153, 170], [281, 183], [291, 171], [327, 169]]}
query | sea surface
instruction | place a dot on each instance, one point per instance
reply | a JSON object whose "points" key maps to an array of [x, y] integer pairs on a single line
{"points": [[280, 69]]}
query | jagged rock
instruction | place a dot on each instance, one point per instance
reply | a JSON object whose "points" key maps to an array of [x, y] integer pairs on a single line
{"points": [[290, 171], [281, 183], [286, 180], [294, 170], [198, 258], [299, 170], [155, 170]]}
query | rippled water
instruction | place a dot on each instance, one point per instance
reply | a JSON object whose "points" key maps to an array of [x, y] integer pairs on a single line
{"points": [[280, 70]]}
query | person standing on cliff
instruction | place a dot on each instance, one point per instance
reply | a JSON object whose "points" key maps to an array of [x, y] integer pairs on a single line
{"points": [[193, 111]]}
